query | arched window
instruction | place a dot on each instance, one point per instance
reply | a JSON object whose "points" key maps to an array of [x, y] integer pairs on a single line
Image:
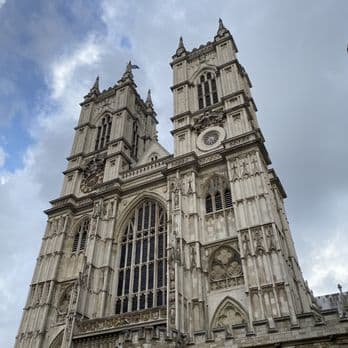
{"points": [[80, 237], [135, 139], [228, 198], [143, 260], [103, 133], [218, 201], [206, 90], [218, 195], [154, 157], [208, 204]]}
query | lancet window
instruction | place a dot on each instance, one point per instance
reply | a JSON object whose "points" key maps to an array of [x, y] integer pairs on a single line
{"points": [[218, 196], [135, 139], [80, 237], [217, 201], [206, 90], [103, 132], [143, 260]]}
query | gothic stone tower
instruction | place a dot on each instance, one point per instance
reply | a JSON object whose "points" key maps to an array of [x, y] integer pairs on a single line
{"points": [[144, 248]]}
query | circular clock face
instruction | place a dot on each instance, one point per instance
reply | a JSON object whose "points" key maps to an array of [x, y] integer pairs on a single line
{"points": [[211, 137], [92, 180]]}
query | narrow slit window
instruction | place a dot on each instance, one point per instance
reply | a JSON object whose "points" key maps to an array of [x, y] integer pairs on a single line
{"points": [[208, 204], [218, 201], [228, 198], [80, 237]]}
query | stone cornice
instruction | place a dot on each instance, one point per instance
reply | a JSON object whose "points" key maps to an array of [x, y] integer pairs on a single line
{"points": [[88, 154], [203, 49], [179, 129], [123, 139], [183, 114], [246, 140], [276, 181], [181, 84], [86, 124]]}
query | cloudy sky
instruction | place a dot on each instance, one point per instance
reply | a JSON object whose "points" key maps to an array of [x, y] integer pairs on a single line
{"points": [[51, 51]]}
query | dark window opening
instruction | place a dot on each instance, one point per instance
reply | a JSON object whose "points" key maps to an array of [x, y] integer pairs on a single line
{"points": [[208, 204], [207, 90], [142, 262]]}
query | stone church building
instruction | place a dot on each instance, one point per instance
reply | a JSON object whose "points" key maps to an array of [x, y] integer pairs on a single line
{"points": [[144, 248]]}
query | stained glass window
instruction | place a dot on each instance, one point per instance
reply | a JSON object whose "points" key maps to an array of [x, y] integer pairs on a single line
{"points": [[142, 263]]}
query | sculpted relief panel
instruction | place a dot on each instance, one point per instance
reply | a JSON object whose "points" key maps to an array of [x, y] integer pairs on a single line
{"points": [[93, 173], [225, 268], [229, 313]]}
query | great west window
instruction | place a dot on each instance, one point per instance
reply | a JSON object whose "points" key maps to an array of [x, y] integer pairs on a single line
{"points": [[143, 260]]}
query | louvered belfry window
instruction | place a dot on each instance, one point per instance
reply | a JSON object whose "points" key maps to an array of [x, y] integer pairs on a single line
{"points": [[217, 202], [80, 237], [206, 90], [143, 260], [103, 133]]}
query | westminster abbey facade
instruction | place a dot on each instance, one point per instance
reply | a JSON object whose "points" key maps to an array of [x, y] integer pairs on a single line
{"points": [[144, 248]]}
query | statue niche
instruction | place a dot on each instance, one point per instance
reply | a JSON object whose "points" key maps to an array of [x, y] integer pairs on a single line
{"points": [[63, 303]]}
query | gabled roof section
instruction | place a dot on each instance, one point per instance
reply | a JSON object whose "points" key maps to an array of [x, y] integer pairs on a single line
{"points": [[154, 149]]}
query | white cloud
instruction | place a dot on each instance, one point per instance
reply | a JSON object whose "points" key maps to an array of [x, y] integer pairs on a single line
{"points": [[2, 3], [63, 69], [324, 264]]}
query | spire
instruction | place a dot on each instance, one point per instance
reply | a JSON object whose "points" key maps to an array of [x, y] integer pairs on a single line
{"points": [[221, 25], [181, 43], [221, 30], [128, 74], [181, 48], [149, 99], [95, 87], [94, 91]]}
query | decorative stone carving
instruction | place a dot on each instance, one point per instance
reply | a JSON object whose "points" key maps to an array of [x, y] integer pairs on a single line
{"points": [[225, 264], [342, 303], [255, 165], [258, 241], [210, 118], [57, 342], [234, 171], [244, 167], [93, 173], [229, 313], [271, 243], [216, 183], [246, 244], [64, 300], [93, 325], [193, 255]]}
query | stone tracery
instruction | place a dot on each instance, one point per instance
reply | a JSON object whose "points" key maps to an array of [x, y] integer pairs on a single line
{"points": [[229, 313], [225, 268]]}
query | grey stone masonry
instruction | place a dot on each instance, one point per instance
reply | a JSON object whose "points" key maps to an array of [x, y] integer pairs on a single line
{"points": [[144, 248]]}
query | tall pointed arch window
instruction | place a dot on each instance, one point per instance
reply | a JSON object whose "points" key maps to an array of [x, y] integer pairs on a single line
{"points": [[103, 133], [206, 90], [218, 196], [80, 236], [143, 260]]}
